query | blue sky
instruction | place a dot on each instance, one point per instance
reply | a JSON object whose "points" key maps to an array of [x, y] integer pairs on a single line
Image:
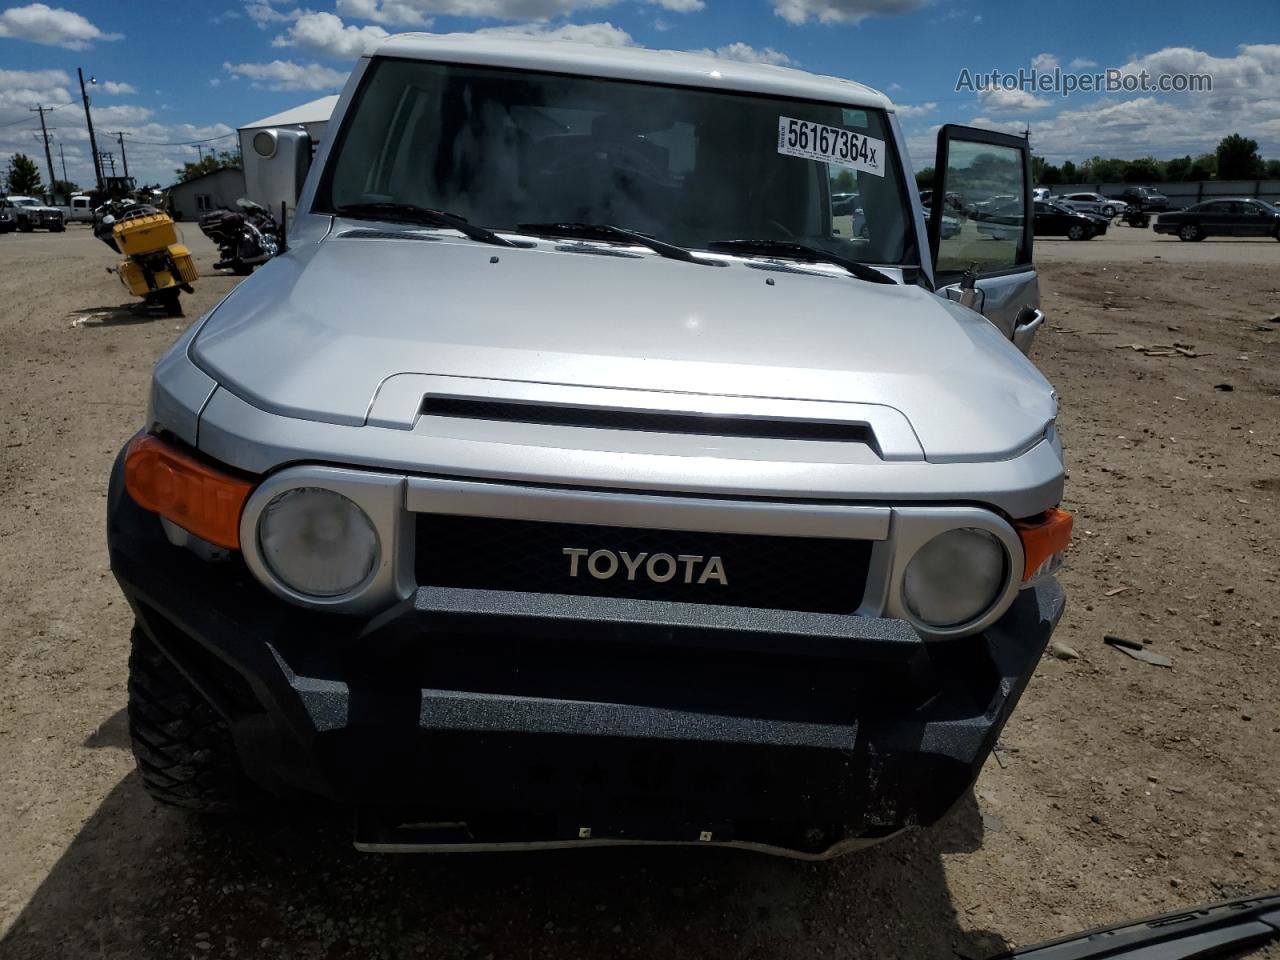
{"points": [[174, 72]]}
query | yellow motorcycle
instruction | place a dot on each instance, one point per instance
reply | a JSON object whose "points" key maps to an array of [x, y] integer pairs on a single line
{"points": [[156, 267]]}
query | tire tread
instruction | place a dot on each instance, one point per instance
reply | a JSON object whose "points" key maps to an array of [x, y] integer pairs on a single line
{"points": [[182, 746]]}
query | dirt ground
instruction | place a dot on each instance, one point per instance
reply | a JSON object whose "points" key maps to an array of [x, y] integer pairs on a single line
{"points": [[1120, 788]]}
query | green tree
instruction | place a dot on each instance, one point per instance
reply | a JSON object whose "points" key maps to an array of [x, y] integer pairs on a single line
{"points": [[210, 162], [844, 182], [1203, 167], [1177, 169], [1070, 172], [1097, 169], [1272, 169], [24, 176], [1143, 170], [64, 188], [1238, 158], [1044, 172], [924, 178]]}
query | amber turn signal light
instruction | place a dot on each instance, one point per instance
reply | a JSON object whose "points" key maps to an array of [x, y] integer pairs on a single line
{"points": [[201, 499], [1043, 537]]}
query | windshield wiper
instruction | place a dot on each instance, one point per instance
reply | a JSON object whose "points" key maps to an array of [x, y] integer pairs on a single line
{"points": [[799, 251], [412, 213], [611, 234]]}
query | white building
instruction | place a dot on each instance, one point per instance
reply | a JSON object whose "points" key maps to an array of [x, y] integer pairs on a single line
{"points": [[193, 198]]}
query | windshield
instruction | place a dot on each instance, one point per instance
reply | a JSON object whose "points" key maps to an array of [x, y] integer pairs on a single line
{"points": [[686, 166], [25, 202]]}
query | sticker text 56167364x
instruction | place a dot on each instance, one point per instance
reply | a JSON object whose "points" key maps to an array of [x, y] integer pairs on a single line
{"points": [[817, 141]]}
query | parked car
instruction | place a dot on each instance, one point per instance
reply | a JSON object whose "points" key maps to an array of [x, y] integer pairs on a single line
{"points": [[952, 200], [7, 222], [850, 205], [1235, 217], [1055, 220], [950, 225], [1041, 193], [31, 214], [1146, 198], [1092, 203], [604, 508]]}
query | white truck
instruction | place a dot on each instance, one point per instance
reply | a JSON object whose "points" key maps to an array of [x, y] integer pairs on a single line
{"points": [[28, 214]]}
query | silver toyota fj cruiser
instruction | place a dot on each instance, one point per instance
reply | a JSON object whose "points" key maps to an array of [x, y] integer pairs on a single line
{"points": [[576, 477]]}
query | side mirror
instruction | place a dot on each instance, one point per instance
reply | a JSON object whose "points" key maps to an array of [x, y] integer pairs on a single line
{"points": [[275, 166]]}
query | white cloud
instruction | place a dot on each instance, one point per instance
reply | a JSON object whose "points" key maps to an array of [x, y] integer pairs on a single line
{"points": [[325, 33], [1009, 101], [680, 6], [117, 89], [842, 11], [51, 26], [264, 14], [601, 34], [745, 53], [1044, 61], [1245, 99], [287, 75], [1083, 63], [397, 13], [908, 111], [416, 12]]}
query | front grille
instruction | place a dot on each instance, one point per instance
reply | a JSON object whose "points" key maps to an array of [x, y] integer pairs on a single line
{"points": [[779, 573]]}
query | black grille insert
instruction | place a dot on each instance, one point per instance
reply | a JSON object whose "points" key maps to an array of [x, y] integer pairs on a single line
{"points": [[644, 420], [777, 573]]}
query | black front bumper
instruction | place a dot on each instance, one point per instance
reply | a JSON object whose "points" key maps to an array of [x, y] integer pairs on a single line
{"points": [[466, 718]]}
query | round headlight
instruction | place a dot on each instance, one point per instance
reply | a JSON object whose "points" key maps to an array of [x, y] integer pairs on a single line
{"points": [[955, 577], [317, 542]]}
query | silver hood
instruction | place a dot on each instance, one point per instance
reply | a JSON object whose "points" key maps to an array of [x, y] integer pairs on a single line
{"points": [[315, 334]]}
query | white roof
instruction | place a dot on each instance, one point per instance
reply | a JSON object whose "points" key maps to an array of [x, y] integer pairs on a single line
{"points": [[317, 111], [630, 63]]}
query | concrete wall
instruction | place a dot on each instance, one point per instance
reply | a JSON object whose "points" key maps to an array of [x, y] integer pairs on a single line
{"points": [[1185, 194], [222, 188]]}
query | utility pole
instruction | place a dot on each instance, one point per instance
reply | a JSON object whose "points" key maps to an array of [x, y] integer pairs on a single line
{"points": [[63, 157], [124, 157], [200, 152], [44, 135], [93, 144], [107, 157]]}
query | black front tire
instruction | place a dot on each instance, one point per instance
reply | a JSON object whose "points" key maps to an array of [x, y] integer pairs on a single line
{"points": [[25, 226], [182, 746], [173, 304], [1190, 232], [1077, 232]]}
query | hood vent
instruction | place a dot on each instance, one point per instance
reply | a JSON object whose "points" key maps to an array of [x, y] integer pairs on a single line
{"points": [[649, 421]]}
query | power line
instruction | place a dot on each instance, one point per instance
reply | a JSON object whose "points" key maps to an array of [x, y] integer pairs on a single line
{"points": [[14, 123], [182, 143]]}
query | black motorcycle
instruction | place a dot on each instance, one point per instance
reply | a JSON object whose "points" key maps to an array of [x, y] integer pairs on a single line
{"points": [[246, 237], [1135, 216]]}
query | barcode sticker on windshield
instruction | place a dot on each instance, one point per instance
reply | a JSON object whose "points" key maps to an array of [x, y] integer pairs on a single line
{"points": [[816, 141]]}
